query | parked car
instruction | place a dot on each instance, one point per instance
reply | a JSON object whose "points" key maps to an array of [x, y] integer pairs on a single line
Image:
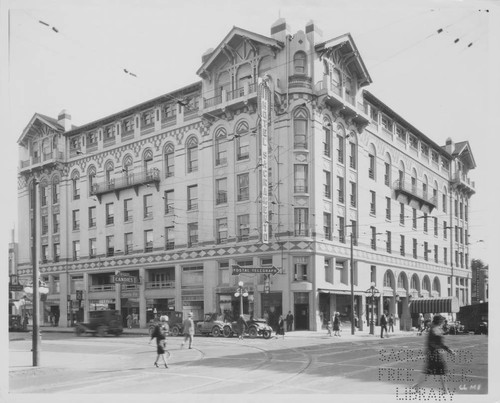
{"points": [[174, 322], [212, 324], [15, 323], [253, 327], [101, 323]]}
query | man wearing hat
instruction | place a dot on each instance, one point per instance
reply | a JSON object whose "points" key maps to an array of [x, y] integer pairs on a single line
{"points": [[188, 326]]}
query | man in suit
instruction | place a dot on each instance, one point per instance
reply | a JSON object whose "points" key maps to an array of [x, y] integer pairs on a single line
{"points": [[289, 321], [383, 325], [188, 326]]}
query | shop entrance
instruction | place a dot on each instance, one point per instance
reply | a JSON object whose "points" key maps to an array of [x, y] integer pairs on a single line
{"points": [[301, 310], [272, 307], [130, 312]]}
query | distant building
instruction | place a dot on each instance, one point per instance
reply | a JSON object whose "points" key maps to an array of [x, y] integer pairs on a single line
{"points": [[172, 192], [480, 284]]}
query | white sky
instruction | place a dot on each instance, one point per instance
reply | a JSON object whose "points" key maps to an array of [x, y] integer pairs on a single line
{"points": [[443, 88]]}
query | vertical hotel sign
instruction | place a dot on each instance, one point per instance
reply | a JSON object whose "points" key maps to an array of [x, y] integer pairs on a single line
{"points": [[264, 95]]}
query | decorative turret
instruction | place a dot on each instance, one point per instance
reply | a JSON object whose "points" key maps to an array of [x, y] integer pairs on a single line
{"points": [[64, 119]]}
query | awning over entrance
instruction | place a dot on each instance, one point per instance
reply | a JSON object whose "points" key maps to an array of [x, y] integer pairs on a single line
{"points": [[340, 291], [434, 305]]}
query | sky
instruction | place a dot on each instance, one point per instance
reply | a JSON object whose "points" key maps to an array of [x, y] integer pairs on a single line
{"points": [[444, 88]]}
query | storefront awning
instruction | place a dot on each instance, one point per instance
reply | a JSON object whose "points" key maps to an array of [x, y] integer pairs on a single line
{"points": [[434, 305], [340, 291]]}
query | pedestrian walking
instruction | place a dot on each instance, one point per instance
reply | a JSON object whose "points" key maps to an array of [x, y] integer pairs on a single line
{"points": [[129, 321], [336, 324], [391, 323], [435, 361], [289, 321], [329, 328], [159, 333], [421, 322], [241, 324], [383, 325], [188, 326], [280, 327]]}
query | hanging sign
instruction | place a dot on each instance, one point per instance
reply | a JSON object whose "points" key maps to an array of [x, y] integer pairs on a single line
{"points": [[264, 95]]}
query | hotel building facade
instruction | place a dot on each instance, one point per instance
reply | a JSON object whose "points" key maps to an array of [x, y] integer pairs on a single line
{"points": [[170, 192]]}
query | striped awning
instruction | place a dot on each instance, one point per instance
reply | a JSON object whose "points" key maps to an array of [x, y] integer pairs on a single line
{"points": [[434, 305]]}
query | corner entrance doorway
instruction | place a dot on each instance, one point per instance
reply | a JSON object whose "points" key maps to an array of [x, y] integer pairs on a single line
{"points": [[301, 310]]}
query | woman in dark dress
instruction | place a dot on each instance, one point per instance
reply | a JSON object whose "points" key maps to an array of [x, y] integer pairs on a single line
{"points": [[280, 329], [435, 363], [336, 324]]}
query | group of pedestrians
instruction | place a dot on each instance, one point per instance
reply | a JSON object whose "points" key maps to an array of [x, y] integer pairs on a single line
{"points": [[161, 331], [334, 325]]}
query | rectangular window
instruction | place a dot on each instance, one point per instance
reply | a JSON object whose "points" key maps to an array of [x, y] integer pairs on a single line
{"points": [[373, 202], [401, 133], [340, 149], [435, 226], [353, 194], [300, 268], [388, 208], [456, 258], [169, 164], [76, 220], [243, 147], [426, 251], [76, 188], [168, 198], [109, 133], [55, 193], [221, 151], [402, 245], [57, 252], [45, 224], [92, 248], [426, 226], [55, 223], [352, 155], [387, 123], [413, 142], [327, 191], [340, 189], [414, 248], [327, 141], [128, 126], [43, 195], [148, 241], [148, 118], [401, 213], [243, 187], [414, 218], [300, 178], [300, 133], [327, 225], [436, 251], [456, 208], [341, 221], [110, 245], [466, 212], [110, 216], [169, 238], [221, 225], [444, 203], [44, 253], [445, 256], [434, 157], [388, 241], [76, 250], [192, 197], [301, 221], [424, 148], [192, 158], [92, 217], [371, 168], [129, 243], [445, 230], [373, 240], [127, 210], [243, 227], [221, 191], [148, 206]]}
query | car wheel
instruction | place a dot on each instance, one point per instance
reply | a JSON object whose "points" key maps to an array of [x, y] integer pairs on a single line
{"points": [[175, 331], [227, 332], [216, 332], [101, 331], [79, 330], [252, 332], [266, 334]]}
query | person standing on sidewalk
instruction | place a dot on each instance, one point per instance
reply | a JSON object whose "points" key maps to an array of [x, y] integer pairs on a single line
{"points": [[280, 327], [289, 321], [391, 323], [241, 324], [336, 324], [188, 326], [383, 325]]}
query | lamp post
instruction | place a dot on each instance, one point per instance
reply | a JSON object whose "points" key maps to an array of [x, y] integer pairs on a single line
{"points": [[241, 292], [353, 234], [37, 290], [372, 290]]}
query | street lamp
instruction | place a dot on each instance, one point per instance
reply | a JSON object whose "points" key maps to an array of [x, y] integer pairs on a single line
{"points": [[241, 292], [372, 290]]}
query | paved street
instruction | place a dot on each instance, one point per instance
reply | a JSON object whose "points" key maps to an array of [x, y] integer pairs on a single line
{"points": [[302, 363]]}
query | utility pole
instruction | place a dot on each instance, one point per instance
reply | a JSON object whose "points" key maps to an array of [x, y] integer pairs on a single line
{"points": [[35, 278]]}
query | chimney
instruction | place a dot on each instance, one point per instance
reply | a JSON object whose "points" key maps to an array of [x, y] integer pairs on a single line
{"points": [[313, 33], [64, 119], [449, 145], [280, 30]]}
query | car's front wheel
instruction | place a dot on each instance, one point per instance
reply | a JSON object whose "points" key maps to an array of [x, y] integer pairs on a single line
{"points": [[266, 334], [216, 332], [252, 332], [227, 332], [175, 331]]}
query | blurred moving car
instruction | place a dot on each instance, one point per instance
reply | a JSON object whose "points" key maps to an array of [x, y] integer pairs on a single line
{"points": [[253, 328], [101, 323], [174, 322], [211, 324]]}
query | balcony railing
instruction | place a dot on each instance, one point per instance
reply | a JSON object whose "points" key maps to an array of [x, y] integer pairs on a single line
{"points": [[461, 180], [102, 287], [230, 96], [154, 285], [414, 193], [46, 158], [126, 181]]}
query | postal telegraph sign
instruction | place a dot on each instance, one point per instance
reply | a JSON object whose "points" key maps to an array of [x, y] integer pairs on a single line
{"points": [[254, 270]]}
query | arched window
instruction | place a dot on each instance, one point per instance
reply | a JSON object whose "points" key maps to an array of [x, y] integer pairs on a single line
{"points": [[91, 174], [55, 189], [327, 138], [387, 170], [43, 193], [300, 63], [402, 281], [223, 83], [372, 162], [414, 181], [220, 146], [75, 184], [425, 187], [147, 160], [109, 169], [243, 75], [426, 284], [168, 158], [436, 287], [300, 129], [415, 283], [388, 280], [128, 164], [242, 141], [192, 154]]}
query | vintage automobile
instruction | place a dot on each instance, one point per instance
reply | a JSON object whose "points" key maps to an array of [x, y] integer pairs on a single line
{"points": [[253, 327], [15, 323], [101, 323], [174, 322], [211, 324]]}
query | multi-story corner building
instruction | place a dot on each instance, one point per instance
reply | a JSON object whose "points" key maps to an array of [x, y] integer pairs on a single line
{"points": [[170, 192]]}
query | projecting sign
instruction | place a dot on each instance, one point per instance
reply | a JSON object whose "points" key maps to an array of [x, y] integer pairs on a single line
{"points": [[124, 279], [264, 136], [254, 270]]}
